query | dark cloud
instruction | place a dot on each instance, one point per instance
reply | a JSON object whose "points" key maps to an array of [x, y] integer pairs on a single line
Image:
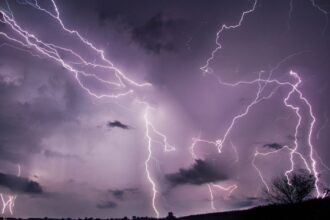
{"points": [[199, 173], [275, 146], [157, 34], [20, 184], [118, 124], [107, 205], [120, 193]]}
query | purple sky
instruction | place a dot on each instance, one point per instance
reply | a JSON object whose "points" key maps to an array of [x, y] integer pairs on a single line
{"points": [[85, 156]]}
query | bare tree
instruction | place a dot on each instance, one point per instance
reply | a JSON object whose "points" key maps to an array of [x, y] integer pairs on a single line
{"points": [[300, 187]]}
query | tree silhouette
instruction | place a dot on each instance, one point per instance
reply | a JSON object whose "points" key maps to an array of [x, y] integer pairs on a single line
{"points": [[300, 187]]}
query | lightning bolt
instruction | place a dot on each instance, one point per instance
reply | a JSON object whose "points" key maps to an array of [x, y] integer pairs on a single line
{"points": [[262, 83], [9, 202], [53, 52], [224, 27], [211, 197], [122, 85], [312, 166], [264, 154], [229, 189], [149, 128], [28, 42]]}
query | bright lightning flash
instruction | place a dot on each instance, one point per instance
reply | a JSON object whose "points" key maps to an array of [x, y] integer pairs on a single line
{"points": [[9, 202], [262, 83], [149, 131], [122, 85]]}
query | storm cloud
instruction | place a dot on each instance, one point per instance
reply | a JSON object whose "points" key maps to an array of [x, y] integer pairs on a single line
{"points": [[275, 146], [118, 124], [20, 184], [199, 173]]}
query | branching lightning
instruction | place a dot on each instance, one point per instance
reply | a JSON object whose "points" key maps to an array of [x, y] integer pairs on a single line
{"points": [[262, 83], [122, 85], [311, 167], [224, 27], [264, 154], [229, 189], [8, 201], [149, 129], [53, 52], [211, 197]]}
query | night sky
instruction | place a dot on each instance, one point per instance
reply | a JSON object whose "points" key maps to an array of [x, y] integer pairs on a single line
{"points": [[68, 149]]}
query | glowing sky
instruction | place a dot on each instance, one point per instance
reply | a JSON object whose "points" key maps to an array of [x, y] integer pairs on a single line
{"points": [[82, 155]]}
